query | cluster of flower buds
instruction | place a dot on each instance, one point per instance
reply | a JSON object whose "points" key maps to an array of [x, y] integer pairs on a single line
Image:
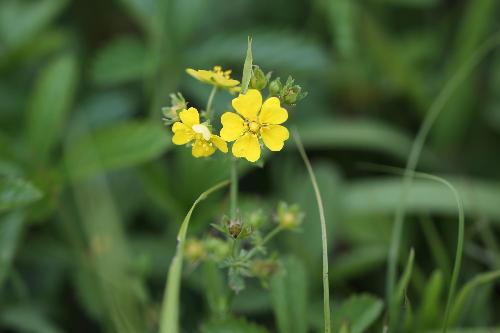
{"points": [[289, 93], [253, 230]]}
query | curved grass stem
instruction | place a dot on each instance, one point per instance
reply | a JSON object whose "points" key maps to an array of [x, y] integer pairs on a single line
{"points": [[433, 113], [326, 287]]}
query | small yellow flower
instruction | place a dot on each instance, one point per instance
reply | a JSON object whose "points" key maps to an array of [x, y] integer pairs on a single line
{"points": [[189, 129], [216, 76], [256, 120]]}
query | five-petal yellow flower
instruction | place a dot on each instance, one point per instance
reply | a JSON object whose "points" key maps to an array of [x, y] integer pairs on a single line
{"points": [[216, 77], [189, 129], [255, 120]]}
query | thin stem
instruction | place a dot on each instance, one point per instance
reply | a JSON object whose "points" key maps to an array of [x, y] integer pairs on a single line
{"points": [[326, 287], [233, 191], [210, 102], [266, 239]]}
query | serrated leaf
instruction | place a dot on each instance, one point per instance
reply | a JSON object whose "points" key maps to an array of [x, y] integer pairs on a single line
{"points": [[359, 312], [17, 192], [50, 104], [289, 297], [114, 147], [123, 60]]}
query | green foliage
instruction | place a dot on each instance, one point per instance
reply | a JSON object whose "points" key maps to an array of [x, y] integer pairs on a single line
{"points": [[289, 297], [91, 192], [170, 309], [121, 61], [16, 192], [116, 146], [357, 313], [50, 105]]}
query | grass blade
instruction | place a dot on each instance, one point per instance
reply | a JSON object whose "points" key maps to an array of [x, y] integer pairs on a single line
{"points": [[326, 287], [170, 309]]}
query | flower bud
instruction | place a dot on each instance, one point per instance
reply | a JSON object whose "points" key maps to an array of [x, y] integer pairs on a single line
{"points": [[234, 228], [291, 95], [263, 269], [259, 79], [275, 87], [171, 113], [194, 250], [289, 217]]}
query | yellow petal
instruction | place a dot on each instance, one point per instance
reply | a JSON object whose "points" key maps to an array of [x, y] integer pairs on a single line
{"points": [[202, 148], [219, 143], [182, 133], [232, 126], [274, 136], [225, 82], [201, 75], [248, 105], [190, 117], [272, 112], [248, 147]]}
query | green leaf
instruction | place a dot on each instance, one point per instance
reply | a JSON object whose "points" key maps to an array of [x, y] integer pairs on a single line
{"points": [[247, 68], [123, 60], [430, 309], [21, 21], [27, 319], [170, 308], [361, 134], [357, 261], [382, 196], [16, 192], [400, 293], [232, 325], [10, 234], [467, 289], [50, 104], [114, 147], [358, 311], [289, 297]]}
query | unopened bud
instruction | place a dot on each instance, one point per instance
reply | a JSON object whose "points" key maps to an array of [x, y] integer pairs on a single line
{"points": [[275, 87], [259, 79]]}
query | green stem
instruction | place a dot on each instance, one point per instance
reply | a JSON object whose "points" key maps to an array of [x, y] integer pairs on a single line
{"points": [[233, 191], [269, 236], [326, 287], [210, 102]]}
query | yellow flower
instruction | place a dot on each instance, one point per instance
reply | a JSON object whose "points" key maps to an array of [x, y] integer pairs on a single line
{"points": [[255, 121], [189, 129], [216, 76]]}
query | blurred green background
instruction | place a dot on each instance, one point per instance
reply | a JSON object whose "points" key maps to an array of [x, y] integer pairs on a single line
{"points": [[92, 192]]}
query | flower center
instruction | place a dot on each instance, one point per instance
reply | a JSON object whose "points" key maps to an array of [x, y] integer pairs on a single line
{"points": [[254, 127], [218, 70], [202, 130]]}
